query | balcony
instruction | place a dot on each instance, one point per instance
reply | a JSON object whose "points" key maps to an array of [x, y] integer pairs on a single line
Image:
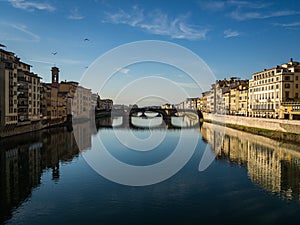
{"points": [[22, 96], [21, 87], [263, 110], [291, 103], [22, 79], [23, 105]]}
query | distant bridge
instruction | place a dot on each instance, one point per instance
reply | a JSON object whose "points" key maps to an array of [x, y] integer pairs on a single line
{"points": [[166, 114]]}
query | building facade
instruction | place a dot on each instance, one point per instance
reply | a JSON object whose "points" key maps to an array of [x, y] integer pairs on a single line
{"points": [[104, 104], [8, 88], [19, 91], [81, 105], [273, 91], [28, 94]]}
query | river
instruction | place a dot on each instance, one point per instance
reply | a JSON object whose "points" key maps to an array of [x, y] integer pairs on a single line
{"points": [[54, 177]]}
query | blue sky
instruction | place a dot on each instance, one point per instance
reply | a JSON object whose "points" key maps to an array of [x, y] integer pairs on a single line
{"points": [[234, 37]]}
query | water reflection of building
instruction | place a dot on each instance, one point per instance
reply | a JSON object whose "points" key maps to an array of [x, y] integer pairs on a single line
{"points": [[83, 132], [264, 167], [23, 160], [273, 165]]}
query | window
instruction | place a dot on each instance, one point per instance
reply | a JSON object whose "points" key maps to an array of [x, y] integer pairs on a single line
{"points": [[277, 86], [296, 95], [286, 77], [296, 78], [277, 78], [287, 85], [287, 94], [296, 85]]}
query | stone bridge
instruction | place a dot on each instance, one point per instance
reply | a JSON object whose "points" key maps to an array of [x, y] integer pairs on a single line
{"points": [[165, 114]]}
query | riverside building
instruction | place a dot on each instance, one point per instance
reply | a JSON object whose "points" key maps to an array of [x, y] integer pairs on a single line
{"points": [[19, 91], [274, 93]]}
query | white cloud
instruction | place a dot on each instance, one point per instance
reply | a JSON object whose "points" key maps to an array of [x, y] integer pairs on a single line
{"points": [[58, 60], [231, 33], [212, 5], [75, 15], [288, 25], [257, 15], [217, 5], [31, 6], [40, 61], [158, 23], [24, 29], [248, 4]]}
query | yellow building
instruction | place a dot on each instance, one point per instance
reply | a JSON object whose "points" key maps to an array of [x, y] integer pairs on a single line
{"points": [[204, 107], [226, 101], [290, 110], [243, 100], [199, 103], [273, 88], [56, 98], [233, 102]]}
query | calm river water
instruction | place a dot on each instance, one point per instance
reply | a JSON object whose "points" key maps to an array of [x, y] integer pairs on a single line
{"points": [[46, 178]]}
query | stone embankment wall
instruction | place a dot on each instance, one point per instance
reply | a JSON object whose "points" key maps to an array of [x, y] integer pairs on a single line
{"points": [[12, 130], [289, 126]]}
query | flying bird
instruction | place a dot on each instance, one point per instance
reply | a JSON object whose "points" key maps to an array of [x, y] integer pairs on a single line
{"points": [[86, 39], [54, 53]]}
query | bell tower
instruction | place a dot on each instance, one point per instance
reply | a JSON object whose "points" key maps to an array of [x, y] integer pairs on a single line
{"points": [[55, 75]]}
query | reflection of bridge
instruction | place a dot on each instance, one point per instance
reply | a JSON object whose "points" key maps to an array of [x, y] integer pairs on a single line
{"points": [[166, 115]]}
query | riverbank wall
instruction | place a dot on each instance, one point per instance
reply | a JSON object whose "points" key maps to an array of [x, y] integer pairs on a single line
{"points": [[283, 130], [12, 130]]}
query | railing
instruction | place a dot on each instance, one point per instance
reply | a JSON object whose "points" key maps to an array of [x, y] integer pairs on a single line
{"points": [[263, 110], [22, 104], [22, 79], [22, 96], [22, 88], [290, 103]]}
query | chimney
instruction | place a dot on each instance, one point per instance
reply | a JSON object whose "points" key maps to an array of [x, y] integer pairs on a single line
{"points": [[291, 60]]}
